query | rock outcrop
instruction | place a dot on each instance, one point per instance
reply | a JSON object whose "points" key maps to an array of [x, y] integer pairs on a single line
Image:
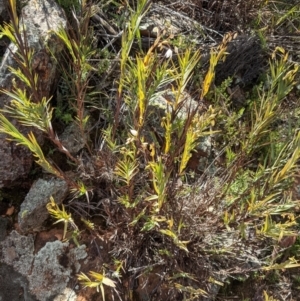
{"points": [[44, 273]]}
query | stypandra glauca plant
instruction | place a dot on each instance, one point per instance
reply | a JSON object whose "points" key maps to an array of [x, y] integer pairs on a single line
{"points": [[151, 157], [161, 223], [78, 44], [264, 194], [130, 33], [28, 105], [62, 216], [96, 280], [155, 158], [148, 78]]}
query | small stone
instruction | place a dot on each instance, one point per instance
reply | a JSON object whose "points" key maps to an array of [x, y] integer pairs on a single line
{"points": [[67, 295], [17, 250], [33, 211], [13, 285]]}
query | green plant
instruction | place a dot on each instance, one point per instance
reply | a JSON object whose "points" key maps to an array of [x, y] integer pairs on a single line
{"points": [[97, 281], [27, 105], [169, 221], [32, 109], [103, 56], [79, 47], [62, 216]]}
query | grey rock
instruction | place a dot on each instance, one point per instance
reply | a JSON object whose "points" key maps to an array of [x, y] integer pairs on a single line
{"points": [[13, 285], [72, 139], [17, 250], [245, 61], [15, 161], [77, 254], [164, 18], [52, 269], [67, 295], [39, 18], [204, 146], [33, 212], [162, 101], [159, 106], [48, 272], [49, 277]]}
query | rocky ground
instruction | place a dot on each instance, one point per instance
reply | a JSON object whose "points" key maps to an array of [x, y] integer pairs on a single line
{"points": [[37, 263]]}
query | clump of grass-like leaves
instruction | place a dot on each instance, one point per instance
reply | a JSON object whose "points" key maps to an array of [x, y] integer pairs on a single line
{"points": [[28, 106], [168, 220], [96, 280]]}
